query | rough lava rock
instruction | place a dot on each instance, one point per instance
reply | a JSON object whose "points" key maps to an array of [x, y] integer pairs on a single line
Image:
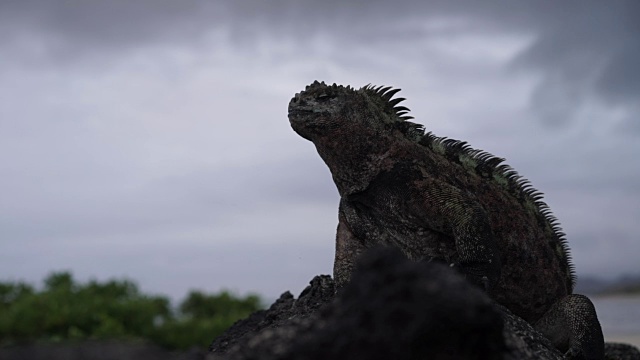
{"points": [[392, 309], [96, 350]]}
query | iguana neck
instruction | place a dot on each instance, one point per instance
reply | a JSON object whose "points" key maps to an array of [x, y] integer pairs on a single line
{"points": [[354, 161]]}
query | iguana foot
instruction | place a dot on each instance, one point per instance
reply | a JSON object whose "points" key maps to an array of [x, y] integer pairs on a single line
{"points": [[572, 326]]}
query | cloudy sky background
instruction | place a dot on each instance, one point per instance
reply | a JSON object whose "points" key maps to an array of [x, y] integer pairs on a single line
{"points": [[150, 139]]}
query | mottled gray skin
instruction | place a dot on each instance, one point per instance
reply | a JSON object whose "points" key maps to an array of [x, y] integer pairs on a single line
{"points": [[437, 198]]}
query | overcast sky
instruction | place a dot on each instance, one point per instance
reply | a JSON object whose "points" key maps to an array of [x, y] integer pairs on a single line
{"points": [[150, 139]]}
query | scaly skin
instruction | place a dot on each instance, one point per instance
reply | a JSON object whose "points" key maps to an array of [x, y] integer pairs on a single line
{"points": [[437, 198]]}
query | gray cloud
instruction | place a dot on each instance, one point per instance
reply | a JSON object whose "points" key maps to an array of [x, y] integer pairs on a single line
{"points": [[109, 24], [620, 78], [585, 50], [582, 49]]}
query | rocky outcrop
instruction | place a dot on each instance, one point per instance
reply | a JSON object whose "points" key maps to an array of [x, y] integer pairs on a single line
{"points": [[392, 309], [95, 350]]}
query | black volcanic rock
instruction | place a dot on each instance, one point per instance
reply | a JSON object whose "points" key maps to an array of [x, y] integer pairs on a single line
{"points": [[96, 350], [620, 351], [392, 309]]}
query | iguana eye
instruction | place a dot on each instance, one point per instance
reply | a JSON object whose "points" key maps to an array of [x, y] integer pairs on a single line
{"points": [[323, 97]]}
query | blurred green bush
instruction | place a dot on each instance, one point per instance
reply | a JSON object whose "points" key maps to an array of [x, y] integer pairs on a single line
{"points": [[115, 309]]}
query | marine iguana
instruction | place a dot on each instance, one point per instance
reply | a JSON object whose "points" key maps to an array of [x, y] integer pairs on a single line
{"points": [[438, 198]]}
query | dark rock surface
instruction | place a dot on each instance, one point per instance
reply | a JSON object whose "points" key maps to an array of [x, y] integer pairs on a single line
{"points": [[392, 309], [387, 313], [96, 350], [621, 351]]}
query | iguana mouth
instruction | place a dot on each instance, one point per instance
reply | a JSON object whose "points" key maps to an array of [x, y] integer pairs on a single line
{"points": [[297, 113], [295, 109]]}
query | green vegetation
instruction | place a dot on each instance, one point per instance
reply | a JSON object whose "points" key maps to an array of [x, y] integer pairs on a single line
{"points": [[65, 310]]}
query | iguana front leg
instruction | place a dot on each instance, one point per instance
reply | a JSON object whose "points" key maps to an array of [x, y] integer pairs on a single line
{"points": [[348, 249], [457, 214], [572, 326]]}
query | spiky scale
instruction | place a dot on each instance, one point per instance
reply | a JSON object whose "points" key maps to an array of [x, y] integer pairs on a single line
{"points": [[396, 101], [383, 91], [391, 93]]}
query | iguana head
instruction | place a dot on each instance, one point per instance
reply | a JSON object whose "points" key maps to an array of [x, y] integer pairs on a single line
{"points": [[328, 110], [351, 129]]}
